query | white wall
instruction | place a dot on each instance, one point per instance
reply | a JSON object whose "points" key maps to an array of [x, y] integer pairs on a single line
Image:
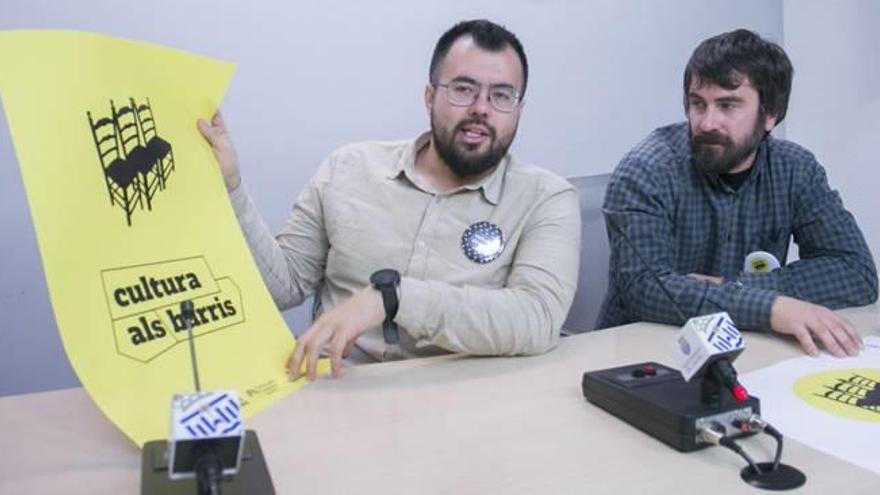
{"points": [[315, 74], [835, 103]]}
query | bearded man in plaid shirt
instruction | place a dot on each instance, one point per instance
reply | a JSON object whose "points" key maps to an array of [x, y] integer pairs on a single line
{"points": [[691, 202]]}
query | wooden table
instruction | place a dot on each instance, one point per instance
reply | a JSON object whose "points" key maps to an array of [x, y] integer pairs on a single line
{"points": [[439, 425]]}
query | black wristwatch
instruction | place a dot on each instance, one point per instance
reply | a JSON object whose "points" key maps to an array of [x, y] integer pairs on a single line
{"points": [[386, 282]]}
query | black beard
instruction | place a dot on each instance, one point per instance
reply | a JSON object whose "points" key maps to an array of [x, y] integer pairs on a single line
{"points": [[711, 161], [465, 164]]}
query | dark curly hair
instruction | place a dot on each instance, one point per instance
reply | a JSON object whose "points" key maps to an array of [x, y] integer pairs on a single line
{"points": [[723, 60]]}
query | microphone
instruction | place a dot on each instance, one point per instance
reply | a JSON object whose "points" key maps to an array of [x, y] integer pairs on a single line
{"points": [[208, 448], [207, 434], [662, 402], [707, 345], [206, 438], [678, 407]]}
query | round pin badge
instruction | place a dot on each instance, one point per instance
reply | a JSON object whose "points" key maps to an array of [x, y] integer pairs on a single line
{"points": [[760, 262], [482, 242]]}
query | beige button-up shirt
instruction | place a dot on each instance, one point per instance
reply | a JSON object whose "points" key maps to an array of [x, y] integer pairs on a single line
{"points": [[366, 209]]}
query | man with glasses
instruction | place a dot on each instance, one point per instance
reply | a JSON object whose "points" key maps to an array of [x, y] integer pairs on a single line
{"points": [[445, 243], [700, 214]]}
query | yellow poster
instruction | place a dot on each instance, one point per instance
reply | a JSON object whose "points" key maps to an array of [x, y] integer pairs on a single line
{"points": [[132, 219]]}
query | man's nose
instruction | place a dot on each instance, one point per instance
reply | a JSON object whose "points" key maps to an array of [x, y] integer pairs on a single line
{"points": [[709, 120], [481, 105]]}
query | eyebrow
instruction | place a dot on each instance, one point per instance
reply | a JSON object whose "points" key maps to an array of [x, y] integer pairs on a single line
{"points": [[466, 79], [471, 80], [723, 99]]}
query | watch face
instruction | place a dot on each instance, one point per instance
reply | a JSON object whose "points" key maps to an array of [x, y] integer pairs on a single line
{"points": [[386, 277], [482, 242]]}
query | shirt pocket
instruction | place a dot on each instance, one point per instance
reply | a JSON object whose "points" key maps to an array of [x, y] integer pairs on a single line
{"points": [[774, 241]]}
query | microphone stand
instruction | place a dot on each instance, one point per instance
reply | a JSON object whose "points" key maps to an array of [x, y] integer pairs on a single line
{"points": [[209, 471], [207, 457]]}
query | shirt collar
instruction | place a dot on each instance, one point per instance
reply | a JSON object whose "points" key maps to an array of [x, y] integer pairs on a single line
{"points": [[407, 163], [490, 186]]}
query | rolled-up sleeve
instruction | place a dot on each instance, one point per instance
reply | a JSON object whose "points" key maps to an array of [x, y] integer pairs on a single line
{"points": [[291, 263]]}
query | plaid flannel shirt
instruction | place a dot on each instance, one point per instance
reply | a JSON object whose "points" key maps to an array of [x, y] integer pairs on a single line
{"points": [[679, 220]]}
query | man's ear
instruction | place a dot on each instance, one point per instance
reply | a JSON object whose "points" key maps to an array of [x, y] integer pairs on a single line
{"points": [[769, 123], [429, 97]]}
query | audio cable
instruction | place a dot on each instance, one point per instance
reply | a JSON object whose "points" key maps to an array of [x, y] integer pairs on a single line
{"points": [[756, 424], [765, 475], [714, 434]]}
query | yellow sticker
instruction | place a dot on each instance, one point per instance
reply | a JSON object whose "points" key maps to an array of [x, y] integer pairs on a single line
{"points": [[848, 393], [132, 218], [760, 265]]}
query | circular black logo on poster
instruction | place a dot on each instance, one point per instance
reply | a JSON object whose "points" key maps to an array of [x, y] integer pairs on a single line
{"points": [[482, 242]]}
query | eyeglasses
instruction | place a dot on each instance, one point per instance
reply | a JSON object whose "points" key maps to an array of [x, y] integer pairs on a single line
{"points": [[464, 93]]}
